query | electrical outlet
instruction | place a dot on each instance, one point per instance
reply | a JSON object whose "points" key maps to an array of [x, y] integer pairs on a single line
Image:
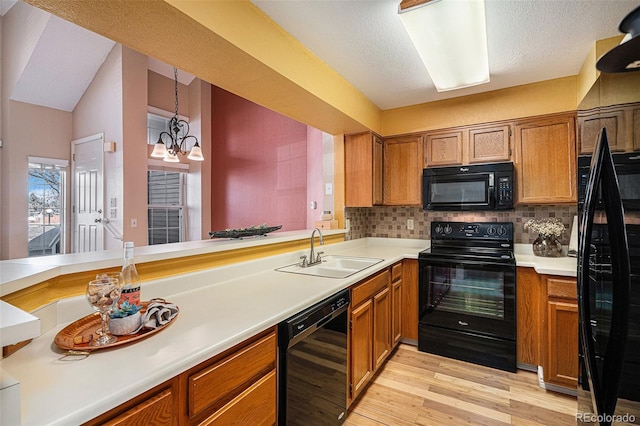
{"points": [[347, 224], [134, 223], [410, 224], [328, 189]]}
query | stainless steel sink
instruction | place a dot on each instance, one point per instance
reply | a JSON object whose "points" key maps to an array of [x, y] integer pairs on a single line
{"points": [[333, 266]]}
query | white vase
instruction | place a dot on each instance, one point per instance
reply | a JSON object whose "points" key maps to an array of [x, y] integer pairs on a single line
{"points": [[122, 326]]}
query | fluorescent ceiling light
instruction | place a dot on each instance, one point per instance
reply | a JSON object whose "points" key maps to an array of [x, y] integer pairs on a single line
{"points": [[451, 38]]}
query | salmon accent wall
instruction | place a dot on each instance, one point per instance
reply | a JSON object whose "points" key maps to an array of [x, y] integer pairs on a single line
{"points": [[258, 165]]}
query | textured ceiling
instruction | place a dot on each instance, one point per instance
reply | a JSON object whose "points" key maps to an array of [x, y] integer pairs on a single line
{"points": [[528, 40]]}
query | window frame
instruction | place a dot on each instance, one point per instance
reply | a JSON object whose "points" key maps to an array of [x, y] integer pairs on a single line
{"points": [[62, 167]]}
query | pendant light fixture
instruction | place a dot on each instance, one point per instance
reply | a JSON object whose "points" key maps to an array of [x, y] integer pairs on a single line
{"points": [[174, 142]]}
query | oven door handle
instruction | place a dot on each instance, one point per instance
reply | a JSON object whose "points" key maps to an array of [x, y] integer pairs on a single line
{"points": [[468, 262]]}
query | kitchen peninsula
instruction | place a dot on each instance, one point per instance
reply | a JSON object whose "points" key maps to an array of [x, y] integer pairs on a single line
{"points": [[219, 308]]}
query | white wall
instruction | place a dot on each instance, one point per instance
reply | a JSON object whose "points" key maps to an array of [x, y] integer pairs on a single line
{"points": [[100, 111]]}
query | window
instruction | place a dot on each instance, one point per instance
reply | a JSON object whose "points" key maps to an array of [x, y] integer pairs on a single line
{"points": [[46, 212], [166, 206]]}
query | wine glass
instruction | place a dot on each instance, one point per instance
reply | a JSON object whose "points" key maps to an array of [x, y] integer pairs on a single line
{"points": [[103, 294]]}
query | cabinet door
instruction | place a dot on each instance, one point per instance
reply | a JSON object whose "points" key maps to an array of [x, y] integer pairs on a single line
{"points": [[377, 171], [589, 126], [402, 171], [359, 170], [561, 365], [489, 144], [396, 312], [255, 406], [546, 160], [410, 299], [529, 305], [157, 410], [443, 149], [361, 354], [381, 326]]}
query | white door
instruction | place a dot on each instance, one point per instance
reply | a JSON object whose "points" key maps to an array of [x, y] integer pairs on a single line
{"points": [[87, 189]]}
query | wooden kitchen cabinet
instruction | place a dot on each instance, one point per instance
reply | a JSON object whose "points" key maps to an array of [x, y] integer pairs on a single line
{"points": [[530, 302], [545, 160], [396, 304], [443, 148], [591, 122], [363, 155], [381, 327], [402, 174], [560, 363], [409, 312], [361, 349], [621, 121], [158, 406], [213, 389], [489, 144], [238, 385], [370, 326], [485, 143]]}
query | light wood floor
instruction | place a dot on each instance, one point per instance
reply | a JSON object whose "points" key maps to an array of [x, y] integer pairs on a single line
{"points": [[415, 388]]}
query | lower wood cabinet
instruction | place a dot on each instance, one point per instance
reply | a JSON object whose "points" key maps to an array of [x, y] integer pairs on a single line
{"points": [[409, 314], [396, 303], [530, 299], [547, 317], [560, 364], [370, 330], [237, 386]]}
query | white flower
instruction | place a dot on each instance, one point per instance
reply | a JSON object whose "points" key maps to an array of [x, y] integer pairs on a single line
{"points": [[545, 227]]}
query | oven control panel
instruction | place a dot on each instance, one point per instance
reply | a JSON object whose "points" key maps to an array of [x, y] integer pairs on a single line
{"points": [[472, 230]]}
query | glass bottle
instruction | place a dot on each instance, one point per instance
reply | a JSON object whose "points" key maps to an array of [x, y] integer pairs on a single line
{"points": [[131, 288]]}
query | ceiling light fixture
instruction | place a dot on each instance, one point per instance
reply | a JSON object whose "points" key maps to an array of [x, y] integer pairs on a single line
{"points": [[451, 38], [178, 136]]}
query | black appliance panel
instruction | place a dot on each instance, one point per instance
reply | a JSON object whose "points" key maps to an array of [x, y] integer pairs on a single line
{"points": [[469, 296], [627, 166], [474, 187], [467, 290], [312, 370]]}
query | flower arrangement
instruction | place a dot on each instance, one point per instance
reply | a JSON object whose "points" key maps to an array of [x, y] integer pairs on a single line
{"points": [[124, 310], [545, 227]]}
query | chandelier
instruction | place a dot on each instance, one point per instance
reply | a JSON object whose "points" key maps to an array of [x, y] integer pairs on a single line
{"points": [[174, 142]]}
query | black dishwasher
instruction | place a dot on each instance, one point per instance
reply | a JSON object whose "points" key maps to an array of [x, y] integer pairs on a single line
{"points": [[312, 357]]}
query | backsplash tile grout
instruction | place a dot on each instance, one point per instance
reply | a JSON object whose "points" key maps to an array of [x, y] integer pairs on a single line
{"points": [[391, 221]]}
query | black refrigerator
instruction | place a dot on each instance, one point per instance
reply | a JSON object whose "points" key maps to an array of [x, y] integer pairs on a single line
{"points": [[609, 292]]}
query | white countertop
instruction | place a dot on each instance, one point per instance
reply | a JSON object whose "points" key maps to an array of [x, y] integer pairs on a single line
{"points": [[219, 308], [17, 274], [565, 266]]}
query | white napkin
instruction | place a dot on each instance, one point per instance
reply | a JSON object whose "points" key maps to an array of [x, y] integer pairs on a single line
{"points": [[157, 314]]}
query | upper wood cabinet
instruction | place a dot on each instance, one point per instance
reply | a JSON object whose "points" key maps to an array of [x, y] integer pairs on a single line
{"points": [[443, 148], [621, 121], [545, 163], [487, 143], [590, 123], [363, 154], [403, 171]]}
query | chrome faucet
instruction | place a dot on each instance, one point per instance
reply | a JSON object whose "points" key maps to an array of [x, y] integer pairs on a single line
{"points": [[313, 258]]}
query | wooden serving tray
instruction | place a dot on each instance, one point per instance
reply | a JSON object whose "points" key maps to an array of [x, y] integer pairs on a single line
{"points": [[77, 335]]}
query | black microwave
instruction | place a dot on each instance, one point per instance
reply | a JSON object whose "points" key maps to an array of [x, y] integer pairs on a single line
{"points": [[627, 166], [475, 187]]}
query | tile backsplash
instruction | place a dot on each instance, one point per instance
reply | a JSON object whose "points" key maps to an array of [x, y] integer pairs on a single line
{"points": [[391, 222]]}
